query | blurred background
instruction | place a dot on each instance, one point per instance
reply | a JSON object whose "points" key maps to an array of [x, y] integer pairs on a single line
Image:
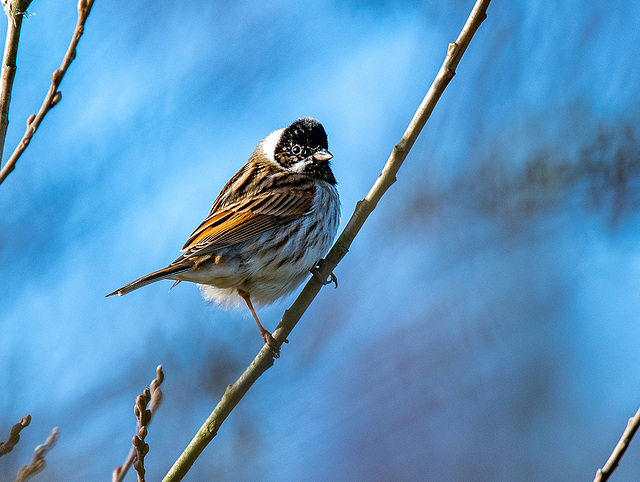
{"points": [[486, 323]]}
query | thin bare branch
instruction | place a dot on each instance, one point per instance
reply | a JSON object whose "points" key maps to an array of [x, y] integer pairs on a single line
{"points": [[37, 461], [15, 10], [53, 96], [632, 427], [265, 358], [152, 397], [141, 448], [14, 435]]}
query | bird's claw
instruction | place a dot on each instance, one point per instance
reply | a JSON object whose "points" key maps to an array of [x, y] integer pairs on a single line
{"points": [[271, 342], [268, 340], [315, 271]]}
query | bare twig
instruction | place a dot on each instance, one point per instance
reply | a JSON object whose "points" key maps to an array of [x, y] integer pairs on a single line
{"points": [[152, 397], [632, 427], [37, 461], [15, 10], [53, 96], [265, 358], [14, 435], [141, 448]]}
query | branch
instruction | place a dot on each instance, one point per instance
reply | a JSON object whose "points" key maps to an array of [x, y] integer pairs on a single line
{"points": [[264, 360], [141, 447], [14, 435], [53, 96], [632, 427], [15, 10], [37, 462], [143, 415]]}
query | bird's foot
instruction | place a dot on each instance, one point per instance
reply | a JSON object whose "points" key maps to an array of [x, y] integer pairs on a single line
{"points": [[315, 271], [271, 342]]}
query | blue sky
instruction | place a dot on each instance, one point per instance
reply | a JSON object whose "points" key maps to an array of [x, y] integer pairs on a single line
{"points": [[486, 321]]}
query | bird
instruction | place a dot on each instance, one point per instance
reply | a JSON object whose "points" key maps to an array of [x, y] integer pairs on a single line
{"points": [[268, 228]]}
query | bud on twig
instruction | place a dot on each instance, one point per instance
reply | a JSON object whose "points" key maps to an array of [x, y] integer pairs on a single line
{"points": [[82, 6], [56, 77], [56, 98]]}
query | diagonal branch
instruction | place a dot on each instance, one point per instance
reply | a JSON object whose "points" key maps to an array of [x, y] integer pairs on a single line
{"points": [[632, 427], [15, 10], [53, 96], [265, 358]]}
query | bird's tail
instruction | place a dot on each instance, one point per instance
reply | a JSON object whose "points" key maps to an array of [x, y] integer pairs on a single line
{"points": [[164, 273]]}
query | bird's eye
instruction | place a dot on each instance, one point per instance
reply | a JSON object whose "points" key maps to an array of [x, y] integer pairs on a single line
{"points": [[296, 150]]}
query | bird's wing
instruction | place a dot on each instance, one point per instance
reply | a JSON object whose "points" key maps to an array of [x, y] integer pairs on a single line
{"points": [[249, 217]]}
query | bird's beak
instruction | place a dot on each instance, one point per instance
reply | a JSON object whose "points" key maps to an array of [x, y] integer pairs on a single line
{"points": [[322, 155]]}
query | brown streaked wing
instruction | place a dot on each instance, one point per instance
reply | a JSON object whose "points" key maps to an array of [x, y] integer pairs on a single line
{"points": [[250, 217], [240, 183]]}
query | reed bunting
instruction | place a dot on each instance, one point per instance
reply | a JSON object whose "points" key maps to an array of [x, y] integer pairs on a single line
{"points": [[268, 228]]}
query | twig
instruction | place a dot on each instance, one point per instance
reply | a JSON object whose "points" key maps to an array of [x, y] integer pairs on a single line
{"points": [[15, 10], [53, 96], [265, 358], [136, 455], [141, 448], [14, 435], [37, 461], [632, 427]]}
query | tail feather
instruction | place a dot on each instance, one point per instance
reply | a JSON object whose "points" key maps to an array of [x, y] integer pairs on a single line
{"points": [[163, 273]]}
